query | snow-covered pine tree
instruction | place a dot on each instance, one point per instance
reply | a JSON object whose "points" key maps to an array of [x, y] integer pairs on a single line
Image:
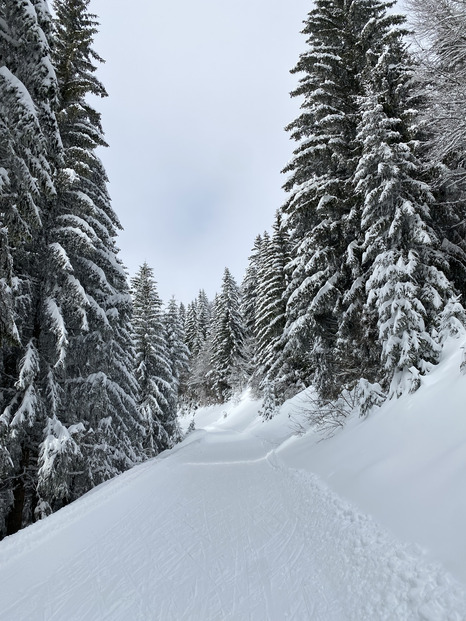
{"points": [[228, 338], [248, 309], [178, 352], [198, 328], [441, 84], [32, 332], [270, 405], [182, 316], [157, 391], [322, 210], [249, 287], [203, 317], [270, 312], [200, 377], [405, 278], [191, 328], [88, 292]]}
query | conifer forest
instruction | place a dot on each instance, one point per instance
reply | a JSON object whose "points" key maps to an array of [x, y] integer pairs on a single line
{"points": [[353, 289]]}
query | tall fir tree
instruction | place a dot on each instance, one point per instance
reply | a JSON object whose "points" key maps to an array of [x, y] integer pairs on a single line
{"points": [[97, 392], [322, 212], [191, 329], [249, 293], [270, 315], [69, 417], [157, 387], [403, 261], [228, 338], [32, 332], [178, 352], [249, 286]]}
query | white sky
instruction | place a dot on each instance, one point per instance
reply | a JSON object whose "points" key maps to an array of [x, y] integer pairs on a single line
{"points": [[198, 99]]}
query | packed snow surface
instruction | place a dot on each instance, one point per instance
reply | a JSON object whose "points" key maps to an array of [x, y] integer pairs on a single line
{"points": [[246, 521]]}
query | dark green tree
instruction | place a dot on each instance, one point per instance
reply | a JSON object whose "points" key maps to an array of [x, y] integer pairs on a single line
{"points": [[157, 399], [32, 336], [228, 338], [322, 211]]}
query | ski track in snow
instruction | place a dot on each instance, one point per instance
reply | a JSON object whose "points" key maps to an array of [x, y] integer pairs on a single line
{"points": [[219, 529]]}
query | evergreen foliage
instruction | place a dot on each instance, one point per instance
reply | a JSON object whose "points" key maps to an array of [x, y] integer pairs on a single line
{"points": [[441, 84], [157, 397], [405, 267], [228, 340], [68, 410], [322, 210], [32, 334], [91, 291], [200, 377], [178, 352], [353, 293], [270, 317]]}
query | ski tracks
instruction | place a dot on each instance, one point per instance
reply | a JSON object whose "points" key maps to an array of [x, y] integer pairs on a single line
{"points": [[238, 536]]}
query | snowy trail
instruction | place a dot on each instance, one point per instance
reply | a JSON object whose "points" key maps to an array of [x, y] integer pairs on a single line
{"points": [[218, 529]]}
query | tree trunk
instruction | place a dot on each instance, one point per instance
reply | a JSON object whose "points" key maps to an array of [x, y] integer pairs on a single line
{"points": [[14, 521]]}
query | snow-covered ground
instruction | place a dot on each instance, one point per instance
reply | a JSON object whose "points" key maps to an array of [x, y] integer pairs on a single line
{"points": [[246, 521]]}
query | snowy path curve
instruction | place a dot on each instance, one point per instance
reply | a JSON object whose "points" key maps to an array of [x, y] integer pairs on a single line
{"points": [[219, 529]]}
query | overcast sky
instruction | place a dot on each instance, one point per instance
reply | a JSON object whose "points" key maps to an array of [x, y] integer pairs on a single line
{"points": [[198, 99]]}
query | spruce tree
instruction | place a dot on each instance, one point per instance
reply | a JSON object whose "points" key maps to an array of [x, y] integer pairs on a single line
{"points": [[178, 352], [404, 264], [157, 387], [249, 290], [249, 287], [191, 329], [322, 211], [68, 398], [33, 336], [270, 316], [97, 391], [201, 377], [228, 338]]}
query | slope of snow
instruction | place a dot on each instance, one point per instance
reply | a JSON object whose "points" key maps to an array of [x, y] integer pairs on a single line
{"points": [[405, 464], [244, 521]]}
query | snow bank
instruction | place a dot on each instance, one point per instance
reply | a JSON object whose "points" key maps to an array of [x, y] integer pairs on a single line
{"points": [[405, 464]]}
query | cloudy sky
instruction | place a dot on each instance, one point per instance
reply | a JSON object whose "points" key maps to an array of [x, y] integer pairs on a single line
{"points": [[198, 99]]}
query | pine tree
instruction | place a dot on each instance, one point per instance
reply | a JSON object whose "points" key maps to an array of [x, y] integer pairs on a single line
{"points": [[228, 337], [32, 333], [182, 316], [97, 394], [322, 210], [68, 405], [249, 288], [201, 376], [178, 352], [406, 282], [191, 329], [271, 303], [157, 386], [270, 404], [441, 84]]}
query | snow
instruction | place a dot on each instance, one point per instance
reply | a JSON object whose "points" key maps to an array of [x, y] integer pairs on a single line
{"points": [[245, 520], [405, 464]]}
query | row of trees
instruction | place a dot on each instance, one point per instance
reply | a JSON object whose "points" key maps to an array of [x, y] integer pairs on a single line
{"points": [[73, 398], [362, 278], [352, 292]]}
